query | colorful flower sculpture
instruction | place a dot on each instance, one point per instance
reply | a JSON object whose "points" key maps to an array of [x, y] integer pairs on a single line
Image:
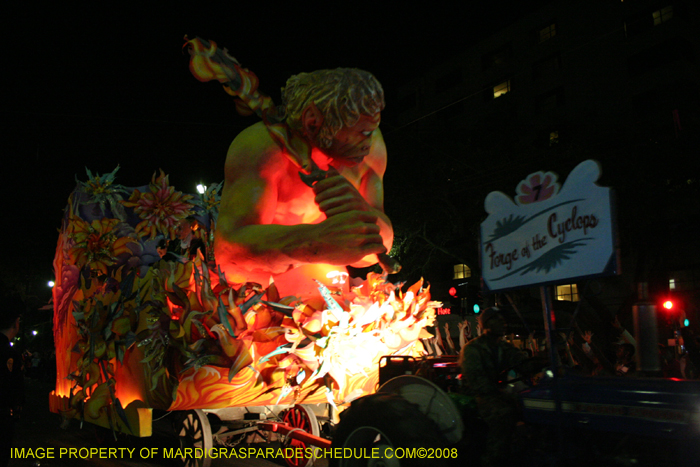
{"points": [[103, 192], [176, 335], [95, 244], [161, 208]]}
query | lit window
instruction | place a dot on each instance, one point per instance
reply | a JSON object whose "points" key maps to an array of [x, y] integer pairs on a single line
{"points": [[567, 292], [501, 89], [461, 271], [553, 138], [684, 280], [547, 33], [662, 15]]}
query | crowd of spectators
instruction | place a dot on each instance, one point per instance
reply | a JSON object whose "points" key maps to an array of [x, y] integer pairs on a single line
{"points": [[611, 352]]}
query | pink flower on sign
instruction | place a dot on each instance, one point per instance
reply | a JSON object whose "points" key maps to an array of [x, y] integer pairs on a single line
{"points": [[538, 186]]}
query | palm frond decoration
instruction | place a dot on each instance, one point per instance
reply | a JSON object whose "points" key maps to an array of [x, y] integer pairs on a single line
{"points": [[550, 260], [507, 226], [512, 223], [209, 200]]}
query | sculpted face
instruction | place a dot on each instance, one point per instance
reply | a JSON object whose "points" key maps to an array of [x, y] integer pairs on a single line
{"points": [[352, 144]]}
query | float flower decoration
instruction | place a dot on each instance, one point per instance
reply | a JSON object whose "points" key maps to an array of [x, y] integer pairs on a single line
{"points": [[161, 207], [95, 244], [197, 340], [101, 190]]}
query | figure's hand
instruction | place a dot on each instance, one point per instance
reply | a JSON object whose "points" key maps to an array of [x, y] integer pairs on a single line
{"points": [[345, 238], [335, 195]]}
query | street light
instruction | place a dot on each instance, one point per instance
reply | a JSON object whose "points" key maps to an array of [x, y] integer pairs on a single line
{"points": [[201, 189], [51, 284]]}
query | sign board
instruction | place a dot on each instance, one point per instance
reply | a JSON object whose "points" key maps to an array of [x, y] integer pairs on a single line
{"points": [[548, 234]]}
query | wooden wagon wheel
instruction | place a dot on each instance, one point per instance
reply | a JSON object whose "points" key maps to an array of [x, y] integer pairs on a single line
{"points": [[302, 418], [194, 431]]}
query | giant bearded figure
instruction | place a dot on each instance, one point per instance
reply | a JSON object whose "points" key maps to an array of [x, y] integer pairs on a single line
{"points": [[272, 224]]}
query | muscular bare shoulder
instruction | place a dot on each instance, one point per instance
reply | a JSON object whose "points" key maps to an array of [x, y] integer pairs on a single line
{"points": [[373, 166], [253, 150], [376, 159]]}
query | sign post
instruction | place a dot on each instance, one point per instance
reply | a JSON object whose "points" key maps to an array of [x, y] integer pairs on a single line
{"points": [[549, 234]]}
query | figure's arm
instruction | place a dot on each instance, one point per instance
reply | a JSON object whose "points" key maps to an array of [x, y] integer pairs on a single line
{"points": [[359, 189], [372, 187], [247, 240]]}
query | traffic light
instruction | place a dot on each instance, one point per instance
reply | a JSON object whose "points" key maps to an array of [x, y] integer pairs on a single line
{"points": [[475, 299], [469, 296], [675, 312]]}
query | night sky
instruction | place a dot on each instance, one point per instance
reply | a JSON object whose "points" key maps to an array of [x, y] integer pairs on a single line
{"points": [[102, 86]]}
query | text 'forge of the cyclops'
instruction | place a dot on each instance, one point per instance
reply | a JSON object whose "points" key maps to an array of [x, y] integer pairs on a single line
{"points": [[550, 233]]}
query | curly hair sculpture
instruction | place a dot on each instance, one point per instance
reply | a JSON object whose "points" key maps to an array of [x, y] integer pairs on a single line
{"points": [[342, 95]]}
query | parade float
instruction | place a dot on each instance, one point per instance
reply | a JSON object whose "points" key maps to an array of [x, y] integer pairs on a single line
{"points": [[145, 319]]}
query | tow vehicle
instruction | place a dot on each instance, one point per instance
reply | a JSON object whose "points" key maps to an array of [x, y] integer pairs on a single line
{"points": [[566, 419]]}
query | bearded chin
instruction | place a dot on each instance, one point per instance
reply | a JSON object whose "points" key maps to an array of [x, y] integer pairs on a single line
{"points": [[324, 139]]}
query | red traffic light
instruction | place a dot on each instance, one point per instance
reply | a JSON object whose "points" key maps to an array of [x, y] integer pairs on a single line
{"points": [[668, 304]]}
